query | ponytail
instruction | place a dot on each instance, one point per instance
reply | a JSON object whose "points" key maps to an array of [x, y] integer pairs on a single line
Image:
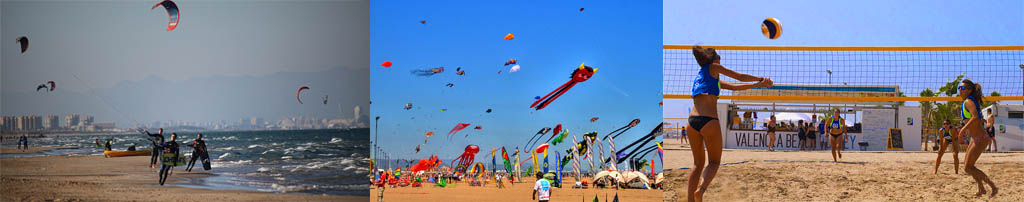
{"points": [[975, 91], [704, 56]]}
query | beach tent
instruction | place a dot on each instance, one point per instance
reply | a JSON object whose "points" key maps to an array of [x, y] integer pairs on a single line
{"points": [[659, 179], [636, 179]]}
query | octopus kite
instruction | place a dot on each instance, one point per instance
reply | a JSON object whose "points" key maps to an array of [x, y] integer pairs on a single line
{"points": [[581, 74], [466, 159]]}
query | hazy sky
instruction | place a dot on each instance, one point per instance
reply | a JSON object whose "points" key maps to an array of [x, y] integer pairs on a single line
{"points": [[621, 39], [105, 43], [845, 23]]}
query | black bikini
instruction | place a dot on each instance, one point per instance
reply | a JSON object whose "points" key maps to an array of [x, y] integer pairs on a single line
{"points": [[698, 122]]}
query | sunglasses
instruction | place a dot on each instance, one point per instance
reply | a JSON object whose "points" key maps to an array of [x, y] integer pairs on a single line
{"points": [[960, 88]]}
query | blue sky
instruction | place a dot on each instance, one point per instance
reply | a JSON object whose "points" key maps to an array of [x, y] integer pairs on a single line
{"points": [[115, 47], [843, 23], [621, 39]]}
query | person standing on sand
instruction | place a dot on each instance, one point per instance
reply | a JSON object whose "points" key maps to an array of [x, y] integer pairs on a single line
{"points": [[971, 112], [947, 139], [801, 133], [170, 147], [836, 130], [811, 137], [24, 140], [158, 139], [541, 190], [990, 128], [198, 149], [771, 133], [704, 129]]}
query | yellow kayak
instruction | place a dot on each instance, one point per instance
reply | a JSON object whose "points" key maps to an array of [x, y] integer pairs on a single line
{"points": [[127, 153]]}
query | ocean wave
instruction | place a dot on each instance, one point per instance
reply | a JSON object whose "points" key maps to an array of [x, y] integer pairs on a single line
{"points": [[255, 145], [223, 156], [224, 149], [263, 169], [336, 140]]}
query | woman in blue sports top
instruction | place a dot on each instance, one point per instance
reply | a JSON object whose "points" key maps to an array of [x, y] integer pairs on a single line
{"points": [[947, 139], [836, 128], [971, 111], [704, 130]]}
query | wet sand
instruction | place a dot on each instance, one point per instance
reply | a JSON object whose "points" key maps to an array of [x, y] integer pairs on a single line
{"points": [[517, 192], [750, 175], [95, 178]]}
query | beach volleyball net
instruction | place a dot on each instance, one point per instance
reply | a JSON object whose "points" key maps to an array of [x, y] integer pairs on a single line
{"points": [[880, 74]]}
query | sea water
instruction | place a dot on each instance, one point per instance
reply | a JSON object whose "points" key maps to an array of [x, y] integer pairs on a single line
{"points": [[330, 161]]}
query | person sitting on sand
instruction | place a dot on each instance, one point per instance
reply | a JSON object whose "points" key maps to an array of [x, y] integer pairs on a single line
{"points": [[198, 149], [704, 127], [169, 147], [541, 190], [158, 139]]}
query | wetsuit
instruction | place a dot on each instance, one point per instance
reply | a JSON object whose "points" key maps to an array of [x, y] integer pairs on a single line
{"points": [[707, 85], [199, 148], [157, 140], [169, 147]]}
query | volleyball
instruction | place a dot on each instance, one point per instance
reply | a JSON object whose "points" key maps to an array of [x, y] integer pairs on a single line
{"points": [[771, 28]]}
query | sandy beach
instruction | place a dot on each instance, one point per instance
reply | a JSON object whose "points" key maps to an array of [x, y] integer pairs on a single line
{"points": [[749, 175], [517, 192], [96, 178]]}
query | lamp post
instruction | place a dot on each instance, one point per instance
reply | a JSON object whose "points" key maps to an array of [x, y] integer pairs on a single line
{"points": [[376, 136], [829, 76]]}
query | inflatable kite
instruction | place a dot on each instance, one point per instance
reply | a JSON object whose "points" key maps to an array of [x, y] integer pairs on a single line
{"points": [[581, 74], [510, 62], [466, 159], [427, 72], [52, 86], [299, 92], [23, 41], [456, 129], [172, 12], [593, 119], [539, 134], [386, 64]]}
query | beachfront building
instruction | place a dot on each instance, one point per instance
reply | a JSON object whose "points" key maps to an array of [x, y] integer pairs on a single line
{"points": [[71, 120], [26, 123], [51, 122], [868, 122]]}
